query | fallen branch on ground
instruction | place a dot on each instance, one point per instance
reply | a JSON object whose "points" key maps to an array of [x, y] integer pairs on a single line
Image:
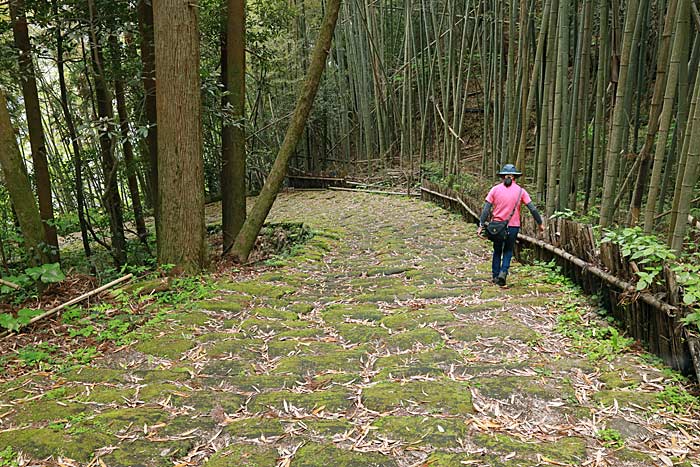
{"points": [[378, 192], [72, 302], [10, 284]]}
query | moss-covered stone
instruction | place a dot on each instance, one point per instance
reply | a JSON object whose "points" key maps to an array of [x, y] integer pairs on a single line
{"points": [[240, 347], [225, 368], [318, 455], [251, 428], [430, 293], [302, 348], [636, 457], [204, 401], [62, 392], [47, 411], [191, 318], [376, 283], [358, 333], [567, 451], [160, 391], [114, 421], [414, 318], [346, 361], [89, 374], [171, 347], [107, 395], [329, 400], [429, 363], [324, 429], [398, 292], [624, 397], [505, 326], [308, 333], [230, 303], [218, 336], [258, 289], [301, 308], [144, 453], [160, 376], [252, 326], [422, 431], [409, 339], [448, 459], [274, 313], [244, 456], [446, 396], [340, 313], [254, 383], [44, 442], [388, 270], [503, 387]]}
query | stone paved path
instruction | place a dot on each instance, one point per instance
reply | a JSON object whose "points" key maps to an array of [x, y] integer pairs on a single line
{"points": [[380, 343]]}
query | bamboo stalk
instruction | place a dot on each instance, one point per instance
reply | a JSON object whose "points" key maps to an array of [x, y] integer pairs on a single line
{"points": [[10, 284], [376, 192]]}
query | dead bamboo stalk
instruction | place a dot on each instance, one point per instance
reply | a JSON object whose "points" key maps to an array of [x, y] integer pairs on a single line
{"points": [[73, 302], [456, 200], [377, 192], [625, 286], [10, 284]]}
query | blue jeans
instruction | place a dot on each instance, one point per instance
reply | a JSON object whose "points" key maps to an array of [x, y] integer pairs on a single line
{"points": [[503, 252]]}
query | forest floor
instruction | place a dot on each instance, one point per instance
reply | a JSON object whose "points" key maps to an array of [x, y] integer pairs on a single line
{"points": [[378, 342]]}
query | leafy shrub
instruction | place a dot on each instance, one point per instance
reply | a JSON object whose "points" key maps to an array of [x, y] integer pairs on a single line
{"points": [[649, 253]]}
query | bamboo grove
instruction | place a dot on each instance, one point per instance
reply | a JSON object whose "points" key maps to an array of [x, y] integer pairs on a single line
{"points": [[596, 101]]}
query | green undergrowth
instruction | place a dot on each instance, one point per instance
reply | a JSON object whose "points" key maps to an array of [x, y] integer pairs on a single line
{"points": [[596, 335], [134, 312]]}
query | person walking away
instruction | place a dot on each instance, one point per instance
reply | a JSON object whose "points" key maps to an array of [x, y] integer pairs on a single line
{"points": [[503, 202]]}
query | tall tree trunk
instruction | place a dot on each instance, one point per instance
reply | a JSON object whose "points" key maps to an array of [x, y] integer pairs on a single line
{"points": [[618, 125], [148, 78], [233, 186], [181, 232], [17, 183], [662, 62], [73, 135], [110, 198], [544, 149], [602, 79], [129, 162], [532, 85], [36, 130], [246, 237], [689, 176], [558, 150]]}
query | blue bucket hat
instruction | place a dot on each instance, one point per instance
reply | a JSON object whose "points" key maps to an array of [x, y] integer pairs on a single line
{"points": [[509, 169]]}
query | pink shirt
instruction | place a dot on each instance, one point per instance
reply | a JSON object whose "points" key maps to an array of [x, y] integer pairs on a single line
{"points": [[503, 199]]}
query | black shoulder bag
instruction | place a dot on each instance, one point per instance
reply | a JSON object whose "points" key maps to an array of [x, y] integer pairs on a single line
{"points": [[498, 231]]}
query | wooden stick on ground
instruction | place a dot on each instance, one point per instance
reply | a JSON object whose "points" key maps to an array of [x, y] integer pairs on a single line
{"points": [[10, 284], [377, 192], [74, 301]]}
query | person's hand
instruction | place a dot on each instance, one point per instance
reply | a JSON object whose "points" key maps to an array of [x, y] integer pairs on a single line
{"points": [[542, 228], [479, 230]]}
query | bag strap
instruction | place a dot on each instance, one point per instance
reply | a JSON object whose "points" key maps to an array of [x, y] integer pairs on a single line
{"points": [[520, 196]]}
